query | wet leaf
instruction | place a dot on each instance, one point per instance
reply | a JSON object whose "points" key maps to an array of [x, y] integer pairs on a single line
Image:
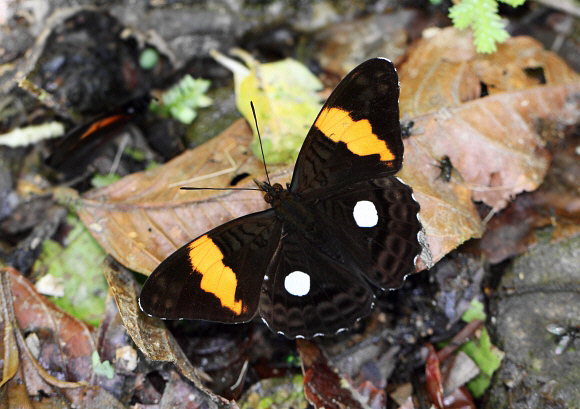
{"points": [[77, 267], [286, 102]]}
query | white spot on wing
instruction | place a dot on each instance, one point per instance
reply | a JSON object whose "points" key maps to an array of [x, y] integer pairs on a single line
{"points": [[297, 283], [365, 214]]}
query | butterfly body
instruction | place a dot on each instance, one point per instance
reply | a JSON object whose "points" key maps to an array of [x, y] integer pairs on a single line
{"points": [[344, 226]]}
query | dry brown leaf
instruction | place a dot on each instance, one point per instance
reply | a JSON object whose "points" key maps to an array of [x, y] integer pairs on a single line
{"points": [[150, 334], [492, 143], [444, 71], [140, 220]]}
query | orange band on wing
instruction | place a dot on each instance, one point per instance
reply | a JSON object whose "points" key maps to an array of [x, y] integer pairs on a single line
{"points": [[217, 279], [337, 125], [95, 126]]}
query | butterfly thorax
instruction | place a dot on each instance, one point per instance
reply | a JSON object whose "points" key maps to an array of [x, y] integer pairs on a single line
{"points": [[296, 216]]}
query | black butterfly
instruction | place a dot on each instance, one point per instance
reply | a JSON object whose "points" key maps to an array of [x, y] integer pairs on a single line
{"points": [[344, 225]]}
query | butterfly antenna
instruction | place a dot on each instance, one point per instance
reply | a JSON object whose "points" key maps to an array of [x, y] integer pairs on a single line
{"points": [[260, 139], [217, 188]]}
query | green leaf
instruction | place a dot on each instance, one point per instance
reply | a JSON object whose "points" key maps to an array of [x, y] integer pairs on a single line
{"points": [[99, 180], [78, 267], [182, 100], [487, 357], [102, 368], [481, 15], [284, 95], [513, 3], [475, 312]]}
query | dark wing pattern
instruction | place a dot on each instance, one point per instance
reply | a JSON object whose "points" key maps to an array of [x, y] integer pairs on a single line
{"points": [[330, 296], [357, 135], [218, 275], [377, 220]]}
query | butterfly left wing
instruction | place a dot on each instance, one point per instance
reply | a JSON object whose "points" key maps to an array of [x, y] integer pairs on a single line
{"points": [[217, 276]]}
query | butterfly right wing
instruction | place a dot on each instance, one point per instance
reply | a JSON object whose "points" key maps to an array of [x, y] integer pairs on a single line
{"points": [[217, 276], [356, 136]]}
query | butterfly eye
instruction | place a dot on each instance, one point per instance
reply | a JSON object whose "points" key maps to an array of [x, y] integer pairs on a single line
{"points": [[278, 187], [268, 198]]}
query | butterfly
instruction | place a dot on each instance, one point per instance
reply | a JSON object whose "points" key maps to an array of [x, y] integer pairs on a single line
{"points": [[344, 227], [85, 141]]}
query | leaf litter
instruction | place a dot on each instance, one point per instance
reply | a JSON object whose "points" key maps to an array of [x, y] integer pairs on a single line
{"points": [[128, 207]]}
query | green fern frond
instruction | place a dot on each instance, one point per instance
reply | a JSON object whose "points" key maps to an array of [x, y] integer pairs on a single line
{"points": [[482, 16], [182, 100]]}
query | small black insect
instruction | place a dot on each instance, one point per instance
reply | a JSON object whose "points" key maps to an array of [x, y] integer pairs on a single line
{"points": [[446, 168]]}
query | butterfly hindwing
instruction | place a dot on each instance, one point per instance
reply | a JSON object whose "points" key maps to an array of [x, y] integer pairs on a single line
{"points": [[377, 221], [218, 275], [356, 136], [307, 293]]}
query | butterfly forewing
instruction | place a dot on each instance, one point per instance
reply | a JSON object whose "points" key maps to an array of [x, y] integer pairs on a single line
{"points": [[357, 135], [218, 275]]}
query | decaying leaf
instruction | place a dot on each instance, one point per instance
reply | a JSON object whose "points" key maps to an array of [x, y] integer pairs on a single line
{"points": [[323, 387], [54, 361], [286, 102]]}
